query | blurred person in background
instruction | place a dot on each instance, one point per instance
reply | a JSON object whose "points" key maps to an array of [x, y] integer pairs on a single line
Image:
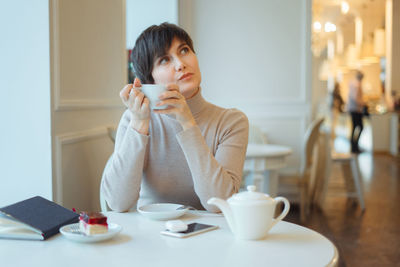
{"points": [[356, 106]]}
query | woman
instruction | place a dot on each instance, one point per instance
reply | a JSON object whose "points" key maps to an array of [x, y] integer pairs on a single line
{"points": [[185, 154], [355, 107]]}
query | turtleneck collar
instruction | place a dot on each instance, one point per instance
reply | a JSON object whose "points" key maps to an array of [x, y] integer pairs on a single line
{"points": [[196, 103]]}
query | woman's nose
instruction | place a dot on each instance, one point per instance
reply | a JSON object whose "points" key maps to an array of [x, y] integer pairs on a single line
{"points": [[179, 65]]}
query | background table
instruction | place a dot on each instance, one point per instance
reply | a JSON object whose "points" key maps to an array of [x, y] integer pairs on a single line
{"points": [[141, 244], [263, 162]]}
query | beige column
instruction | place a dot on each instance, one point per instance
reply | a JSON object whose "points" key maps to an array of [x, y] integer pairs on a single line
{"points": [[392, 47], [396, 47]]}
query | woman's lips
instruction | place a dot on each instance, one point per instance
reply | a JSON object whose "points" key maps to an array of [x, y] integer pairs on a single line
{"points": [[185, 76]]}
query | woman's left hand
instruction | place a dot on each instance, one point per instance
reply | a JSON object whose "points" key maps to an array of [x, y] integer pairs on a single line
{"points": [[177, 106]]}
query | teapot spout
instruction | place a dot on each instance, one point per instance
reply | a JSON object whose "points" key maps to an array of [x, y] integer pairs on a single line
{"points": [[226, 210]]}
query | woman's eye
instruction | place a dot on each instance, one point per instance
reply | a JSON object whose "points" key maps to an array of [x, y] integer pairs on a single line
{"points": [[184, 50], [164, 61]]}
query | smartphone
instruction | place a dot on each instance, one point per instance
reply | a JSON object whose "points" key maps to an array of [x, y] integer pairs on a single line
{"points": [[193, 229]]}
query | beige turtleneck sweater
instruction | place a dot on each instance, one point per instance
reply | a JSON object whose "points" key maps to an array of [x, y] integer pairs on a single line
{"points": [[175, 166]]}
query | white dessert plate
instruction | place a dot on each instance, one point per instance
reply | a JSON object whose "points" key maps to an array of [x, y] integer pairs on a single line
{"points": [[162, 211], [72, 232]]}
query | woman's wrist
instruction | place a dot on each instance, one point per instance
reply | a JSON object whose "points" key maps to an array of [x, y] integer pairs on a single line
{"points": [[141, 126], [188, 124]]}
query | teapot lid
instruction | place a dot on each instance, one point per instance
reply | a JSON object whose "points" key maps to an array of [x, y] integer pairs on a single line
{"points": [[250, 195]]}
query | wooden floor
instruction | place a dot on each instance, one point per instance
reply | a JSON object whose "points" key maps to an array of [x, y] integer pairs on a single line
{"points": [[369, 238]]}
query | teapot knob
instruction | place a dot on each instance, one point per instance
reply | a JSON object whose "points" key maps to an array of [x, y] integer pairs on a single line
{"points": [[251, 188]]}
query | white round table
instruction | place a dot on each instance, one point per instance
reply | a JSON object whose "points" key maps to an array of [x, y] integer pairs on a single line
{"points": [[141, 244], [263, 162]]}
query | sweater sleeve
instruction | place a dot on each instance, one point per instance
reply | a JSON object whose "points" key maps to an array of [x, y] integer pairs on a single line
{"points": [[122, 175], [219, 174]]}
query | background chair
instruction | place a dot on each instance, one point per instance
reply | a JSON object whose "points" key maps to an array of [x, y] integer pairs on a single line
{"points": [[305, 181], [112, 132], [350, 170], [103, 204], [256, 136]]}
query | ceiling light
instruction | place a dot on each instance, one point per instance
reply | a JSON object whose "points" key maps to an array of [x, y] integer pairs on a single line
{"points": [[345, 7], [329, 27], [317, 26]]}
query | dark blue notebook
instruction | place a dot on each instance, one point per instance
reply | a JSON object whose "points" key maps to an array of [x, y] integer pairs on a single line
{"points": [[34, 218]]}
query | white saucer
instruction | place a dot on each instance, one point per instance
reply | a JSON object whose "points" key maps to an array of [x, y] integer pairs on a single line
{"points": [[162, 211], [72, 232]]}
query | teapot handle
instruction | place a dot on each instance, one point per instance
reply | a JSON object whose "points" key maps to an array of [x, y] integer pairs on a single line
{"points": [[285, 209]]}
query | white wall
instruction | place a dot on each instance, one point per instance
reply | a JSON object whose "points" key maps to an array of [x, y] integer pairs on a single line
{"points": [[89, 68], [255, 55], [25, 150], [140, 14]]}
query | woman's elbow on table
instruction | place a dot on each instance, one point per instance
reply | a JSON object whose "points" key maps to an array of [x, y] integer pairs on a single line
{"points": [[118, 206], [212, 208], [115, 203]]}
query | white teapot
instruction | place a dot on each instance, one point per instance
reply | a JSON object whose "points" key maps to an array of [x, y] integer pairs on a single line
{"points": [[250, 214]]}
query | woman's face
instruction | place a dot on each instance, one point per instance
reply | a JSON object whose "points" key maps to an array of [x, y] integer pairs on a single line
{"points": [[179, 66]]}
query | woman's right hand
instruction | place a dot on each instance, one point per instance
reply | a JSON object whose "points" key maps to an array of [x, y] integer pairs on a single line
{"points": [[138, 104]]}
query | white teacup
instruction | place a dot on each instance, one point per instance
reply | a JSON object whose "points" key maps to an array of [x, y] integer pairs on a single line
{"points": [[152, 92]]}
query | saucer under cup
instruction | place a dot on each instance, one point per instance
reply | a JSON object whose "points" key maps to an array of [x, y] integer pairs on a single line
{"points": [[162, 211]]}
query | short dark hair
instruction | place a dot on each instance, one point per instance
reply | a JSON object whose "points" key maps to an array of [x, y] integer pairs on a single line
{"points": [[153, 43]]}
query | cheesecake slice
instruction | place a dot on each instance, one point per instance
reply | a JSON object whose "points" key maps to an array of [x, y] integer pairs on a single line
{"points": [[93, 223]]}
